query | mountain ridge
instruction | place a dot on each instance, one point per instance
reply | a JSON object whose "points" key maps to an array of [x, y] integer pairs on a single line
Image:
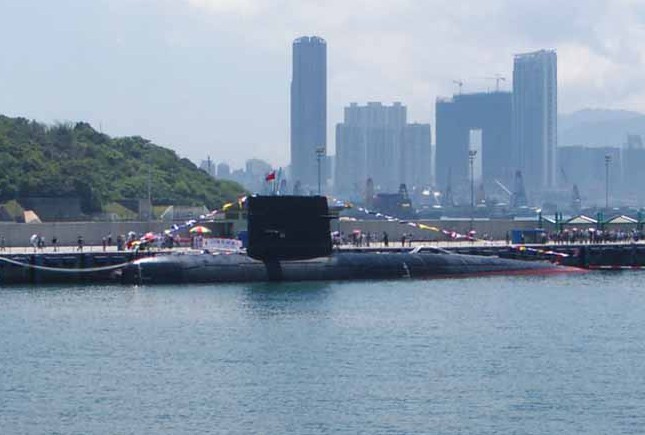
{"points": [[599, 127]]}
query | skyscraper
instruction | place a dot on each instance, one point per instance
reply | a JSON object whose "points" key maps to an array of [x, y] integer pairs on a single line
{"points": [[485, 115], [308, 108], [535, 111]]}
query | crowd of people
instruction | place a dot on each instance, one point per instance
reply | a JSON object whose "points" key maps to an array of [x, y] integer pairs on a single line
{"points": [[593, 235], [357, 238], [566, 236], [129, 241], [366, 239]]}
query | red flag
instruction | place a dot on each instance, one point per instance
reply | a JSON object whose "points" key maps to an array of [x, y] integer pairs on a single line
{"points": [[270, 176]]}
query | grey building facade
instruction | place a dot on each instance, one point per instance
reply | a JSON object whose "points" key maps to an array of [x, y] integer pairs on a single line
{"points": [[308, 108], [416, 156], [223, 171], [535, 122], [456, 118], [375, 142]]}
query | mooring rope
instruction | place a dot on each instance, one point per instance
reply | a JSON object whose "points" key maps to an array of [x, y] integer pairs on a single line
{"points": [[65, 270]]}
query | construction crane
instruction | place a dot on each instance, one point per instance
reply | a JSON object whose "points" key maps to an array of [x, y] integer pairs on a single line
{"points": [[460, 84], [564, 175], [505, 189], [498, 78]]}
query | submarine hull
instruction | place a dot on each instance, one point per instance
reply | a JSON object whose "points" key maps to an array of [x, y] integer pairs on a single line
{"points": [[209, 268]]}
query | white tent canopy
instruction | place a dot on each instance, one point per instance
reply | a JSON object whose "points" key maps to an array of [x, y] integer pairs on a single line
{"points": [[622, 220], [581, 220]]}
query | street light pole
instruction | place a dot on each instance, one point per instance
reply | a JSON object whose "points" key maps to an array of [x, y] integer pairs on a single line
{"points": [[320, 153], [607, 163], [471, 159], [149, 187]]}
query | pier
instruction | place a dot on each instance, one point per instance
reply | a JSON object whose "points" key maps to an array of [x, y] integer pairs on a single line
{"points": [[66, 267]]}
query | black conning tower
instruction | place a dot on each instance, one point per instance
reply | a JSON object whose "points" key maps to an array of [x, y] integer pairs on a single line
{"points": [[288, 227]]}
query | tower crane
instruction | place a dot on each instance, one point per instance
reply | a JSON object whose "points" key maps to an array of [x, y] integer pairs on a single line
{"points": [[498, 78], [460, 84]]}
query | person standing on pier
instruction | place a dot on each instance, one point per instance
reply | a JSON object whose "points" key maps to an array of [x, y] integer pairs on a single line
{"points": [[79, 247], [55, 243], [2, 243], [33, 240]]}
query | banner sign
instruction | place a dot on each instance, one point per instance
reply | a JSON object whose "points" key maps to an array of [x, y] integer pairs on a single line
{"points": [[217, 244]]}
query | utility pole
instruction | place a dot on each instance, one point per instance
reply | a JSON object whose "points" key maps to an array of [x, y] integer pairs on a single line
{"points": [[471, 160], [320, 153], [498, 78], [607, 163]]}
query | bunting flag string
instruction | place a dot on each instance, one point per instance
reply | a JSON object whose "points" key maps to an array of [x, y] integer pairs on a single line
{"points": [[523, 249], [452, 234], [190, 223]]}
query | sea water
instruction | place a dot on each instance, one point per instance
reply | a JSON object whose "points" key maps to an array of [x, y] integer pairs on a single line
{"points": [[525, 355]]}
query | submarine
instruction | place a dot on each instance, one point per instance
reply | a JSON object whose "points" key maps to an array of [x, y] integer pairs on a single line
{"points": [[289, 239]]}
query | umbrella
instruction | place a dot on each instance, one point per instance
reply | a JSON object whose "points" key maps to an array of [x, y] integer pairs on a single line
{"points": [[148, 237], [199, 229]]}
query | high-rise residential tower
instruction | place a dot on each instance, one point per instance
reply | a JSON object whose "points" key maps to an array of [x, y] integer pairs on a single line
{"points": [[375, 142], [535, 117], [308, 109]]}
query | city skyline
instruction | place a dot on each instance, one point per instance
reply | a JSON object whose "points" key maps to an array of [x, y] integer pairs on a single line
{"points": [[199, 72]]}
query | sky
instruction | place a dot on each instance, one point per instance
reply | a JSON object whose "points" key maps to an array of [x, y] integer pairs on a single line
{"points": [[211, 77]]}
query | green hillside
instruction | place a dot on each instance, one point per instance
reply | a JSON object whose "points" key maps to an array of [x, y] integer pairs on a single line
{"points": [[37, 160]]}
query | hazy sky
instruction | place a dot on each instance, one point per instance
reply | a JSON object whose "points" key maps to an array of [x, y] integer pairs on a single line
{"points": [[212, 76]]}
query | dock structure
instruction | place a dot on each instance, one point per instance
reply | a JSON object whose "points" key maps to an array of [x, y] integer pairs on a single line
{"points": [[66, 267]]}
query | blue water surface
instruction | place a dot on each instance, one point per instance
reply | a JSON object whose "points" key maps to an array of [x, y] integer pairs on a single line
{"points": [[511, 355]]}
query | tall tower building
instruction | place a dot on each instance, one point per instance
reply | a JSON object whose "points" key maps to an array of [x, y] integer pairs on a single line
{"points": [[308, 109], [485, 115], [535, 112]]}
